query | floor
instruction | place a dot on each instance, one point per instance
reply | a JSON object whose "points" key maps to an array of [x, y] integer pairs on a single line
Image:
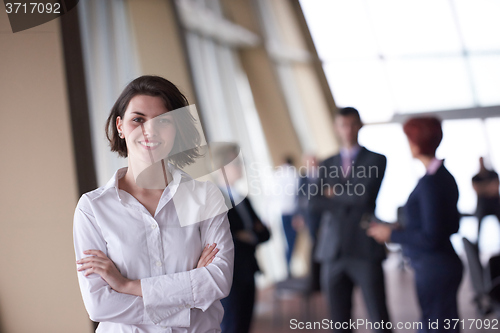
{"points": [[401, 298]]}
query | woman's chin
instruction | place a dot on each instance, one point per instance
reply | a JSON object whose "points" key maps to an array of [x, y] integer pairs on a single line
{"points": [[149, 156]]}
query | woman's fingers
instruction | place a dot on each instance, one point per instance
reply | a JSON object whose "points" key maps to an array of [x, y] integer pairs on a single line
{"points": [[89, 259], [207, 255], [380, 233], [91, 262], [86, 264], [207, 250], [90, 266], [211, 259], [97, 270], [97, 253], [89, 271], [214, 252], [97, 263], [204, 252]]}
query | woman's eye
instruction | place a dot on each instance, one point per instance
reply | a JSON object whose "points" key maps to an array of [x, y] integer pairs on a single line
{"points": [[164, 121], [138, 120]]}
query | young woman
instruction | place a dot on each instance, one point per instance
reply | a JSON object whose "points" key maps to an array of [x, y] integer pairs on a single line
{"points": [[431, 217], [143, 266]]}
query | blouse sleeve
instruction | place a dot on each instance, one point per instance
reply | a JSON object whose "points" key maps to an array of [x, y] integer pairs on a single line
{"points": [[433, 229], [173, 295], [102, 302]]}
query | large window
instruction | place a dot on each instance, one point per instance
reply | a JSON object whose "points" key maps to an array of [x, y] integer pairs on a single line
{"points": [[391, 58]]}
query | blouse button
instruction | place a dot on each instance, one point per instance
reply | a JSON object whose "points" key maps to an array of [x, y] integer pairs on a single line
{"points": [[153, 226], [158, 263]]}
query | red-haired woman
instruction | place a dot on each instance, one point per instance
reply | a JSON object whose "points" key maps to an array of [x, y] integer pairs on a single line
{"points": [[431, 217]]}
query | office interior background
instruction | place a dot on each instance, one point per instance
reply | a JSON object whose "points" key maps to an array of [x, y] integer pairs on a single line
{"points": [[267, 74]]}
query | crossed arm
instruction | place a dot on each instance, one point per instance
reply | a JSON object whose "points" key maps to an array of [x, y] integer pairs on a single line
{"points": [[101, 265], [164, 300]]}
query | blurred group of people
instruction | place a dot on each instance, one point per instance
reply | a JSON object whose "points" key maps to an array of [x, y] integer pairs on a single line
{"points": [[293, 201], [349, 241]]}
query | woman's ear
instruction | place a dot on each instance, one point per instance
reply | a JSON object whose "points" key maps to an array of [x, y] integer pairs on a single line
{"points": [[119, 124]]}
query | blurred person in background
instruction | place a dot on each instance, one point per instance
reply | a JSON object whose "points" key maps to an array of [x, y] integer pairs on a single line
{"points": [[286, 179], [248, 232], [305, 215], [350, 182], [431, 217], [486, 184]]}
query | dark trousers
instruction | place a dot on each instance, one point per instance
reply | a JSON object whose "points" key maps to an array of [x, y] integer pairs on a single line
{"points": [[290, 235], [238, 307], [338, 279], [437, 278], [315, 268]]}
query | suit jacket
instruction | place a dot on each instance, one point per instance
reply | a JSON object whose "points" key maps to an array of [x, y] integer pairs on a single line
{"points": [[341, 234], [245, 264], [431, 216]]}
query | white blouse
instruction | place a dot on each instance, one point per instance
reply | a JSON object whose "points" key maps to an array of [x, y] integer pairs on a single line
{"points": [[177, 297]]}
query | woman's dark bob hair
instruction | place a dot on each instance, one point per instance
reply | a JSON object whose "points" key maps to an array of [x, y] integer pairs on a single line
{"points": [[173, 99]]}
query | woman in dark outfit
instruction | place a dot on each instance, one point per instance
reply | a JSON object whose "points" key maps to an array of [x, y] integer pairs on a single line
{"points": [[248, 232], [431, 218], [239, 304]]}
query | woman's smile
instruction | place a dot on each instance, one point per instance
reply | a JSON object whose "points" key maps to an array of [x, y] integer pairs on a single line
{"points": [[150, 144]]}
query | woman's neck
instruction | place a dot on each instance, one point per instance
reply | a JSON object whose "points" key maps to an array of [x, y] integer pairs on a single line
{"points": [[426, 160], [153, 177]]}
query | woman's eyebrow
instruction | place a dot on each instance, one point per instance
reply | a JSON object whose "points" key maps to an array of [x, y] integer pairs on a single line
{"points": [[166, 114], [139, 113]]}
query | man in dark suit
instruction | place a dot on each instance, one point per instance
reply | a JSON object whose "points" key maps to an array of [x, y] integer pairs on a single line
{"points": [[349, 184]]}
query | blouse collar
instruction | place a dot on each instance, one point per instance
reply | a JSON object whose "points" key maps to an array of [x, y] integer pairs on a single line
{"points": [[433, 166], [176, 173]]}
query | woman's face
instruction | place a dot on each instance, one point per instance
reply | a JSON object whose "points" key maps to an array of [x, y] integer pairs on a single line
{"points": [[415, 151], [148, 129]]}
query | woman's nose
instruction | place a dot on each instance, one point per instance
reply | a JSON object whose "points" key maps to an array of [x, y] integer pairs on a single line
{"points": [[149, 128]]}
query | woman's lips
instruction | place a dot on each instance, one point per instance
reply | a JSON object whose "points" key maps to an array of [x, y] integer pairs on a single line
{"points": [[149, 145]]}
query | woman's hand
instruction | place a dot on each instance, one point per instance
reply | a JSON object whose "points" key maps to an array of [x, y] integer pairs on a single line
{"points": [[100, 264], [329, 192], [381, 233], [298, 222], [207, 256]]}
